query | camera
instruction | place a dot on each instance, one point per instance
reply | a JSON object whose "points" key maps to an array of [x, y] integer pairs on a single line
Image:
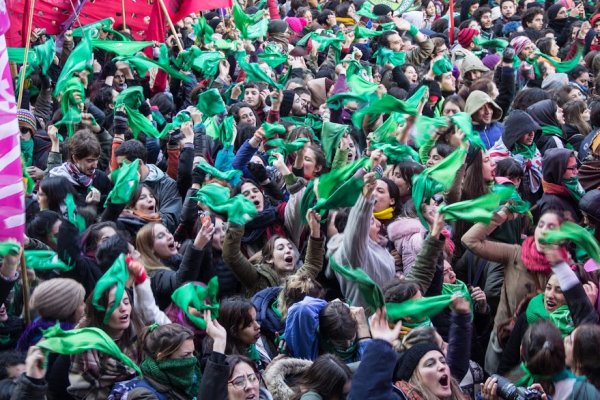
{"points": [[508, 391]]}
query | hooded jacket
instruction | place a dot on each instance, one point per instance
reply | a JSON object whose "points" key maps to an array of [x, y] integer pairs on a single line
{"points": [[408, 235], [544, 113], [277, 376], [167, 196], [489, 133], [554, 166]]}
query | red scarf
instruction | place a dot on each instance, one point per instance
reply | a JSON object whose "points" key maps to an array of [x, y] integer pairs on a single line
{"points": [[553, 188], [532, 259]]}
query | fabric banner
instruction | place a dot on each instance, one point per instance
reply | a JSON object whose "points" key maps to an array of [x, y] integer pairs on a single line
{"points": [[12, 190]]}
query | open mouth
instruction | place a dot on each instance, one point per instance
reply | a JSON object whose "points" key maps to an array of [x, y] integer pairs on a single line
{"points": [[124, 318], [172, 246], [288, 259], [444, 380], [550, 304], [251, 397]]}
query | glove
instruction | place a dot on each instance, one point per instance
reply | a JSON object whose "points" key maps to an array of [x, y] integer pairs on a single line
{"points": [[258, 171], [120, 122], [145, 109], [508, 55], [198, 176]]}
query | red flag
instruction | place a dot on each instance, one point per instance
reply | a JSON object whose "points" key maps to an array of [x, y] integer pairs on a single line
{"points": [[451, 17]]}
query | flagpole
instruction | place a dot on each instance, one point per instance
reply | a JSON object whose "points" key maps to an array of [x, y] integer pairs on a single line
{"points": [[123, 13], [166, 13], [25, 289], [27, 46]]}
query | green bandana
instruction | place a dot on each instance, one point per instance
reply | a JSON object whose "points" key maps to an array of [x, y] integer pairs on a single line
{"points": [[238, 209], [207, 62], [273, 130], [226, 133], [528, 152], [458, 288], [80, 59], [120, 48], [494, 44], [181, 374], [254, 72], [78, 341], [273, 55], [389, 104], [27, 152], [251, 26], [203, 31], [117, 275], [93, 29], [418, 309], [132, 98], [197, 296], [575, 233], [45, 260], [515, 203], [346, 354], [142, 64], [69, 105], [38, 56], [215, 173], [361, 86], [361, 32], [561, 317], [125, 181], [339, 100], [370, 291], [575, 188], [211, 103], [442, 66], [9, 248], [480, 209], [331, 134], [386, 131], [387, 56], [74, 217], [552, 130], [564, 66], [284, 148]]}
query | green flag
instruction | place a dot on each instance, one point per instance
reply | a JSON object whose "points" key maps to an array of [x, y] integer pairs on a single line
{"points": [[125, 181], [132, 98], [215, 173], [418, 309], [339, 100], [199, 297], [117, 275], [273, 55], [80, 340], [238, 209], [73, 95], [44, 260], [120, 48], [211, 103], [80, 59], [480, 209], [370, 291], [323, 42], [575, 233], [227, 131], [273, 130], [207, 62], [331, 134], [74, 217]]}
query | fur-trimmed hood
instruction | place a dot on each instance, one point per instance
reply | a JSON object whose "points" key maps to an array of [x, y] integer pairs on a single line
{"points": [[279, 371]]}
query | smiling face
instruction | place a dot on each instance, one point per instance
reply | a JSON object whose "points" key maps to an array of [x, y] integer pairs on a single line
{"points": [[434, 373], [553, 295], [283, 258], [411, 73], [247, 116], [164, 243], [252, 193], [120, 318], [146, 203], [484, 115]]}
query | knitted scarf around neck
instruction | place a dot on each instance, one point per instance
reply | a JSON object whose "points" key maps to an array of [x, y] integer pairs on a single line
{"points": [[79, 177], [526, 151], [532, 259], [181, 374], [255, 229], [552, 130], [558, 190]]}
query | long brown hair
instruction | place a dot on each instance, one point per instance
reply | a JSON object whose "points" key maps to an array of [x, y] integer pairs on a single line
{"points": [[573, 111], [164, 341], [144, 243], [586, 342]]}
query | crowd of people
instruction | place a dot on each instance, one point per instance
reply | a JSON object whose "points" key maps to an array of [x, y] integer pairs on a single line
{"points": [[310, 200]]}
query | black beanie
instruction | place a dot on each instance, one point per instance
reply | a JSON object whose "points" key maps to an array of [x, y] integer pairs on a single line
{"points": [[286, 103], [409, 359], [213, 23], [382, 9], [277, 26]]}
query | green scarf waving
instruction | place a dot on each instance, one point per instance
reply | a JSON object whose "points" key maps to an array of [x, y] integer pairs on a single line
{"points": [[200, 298], [116, 275], [561, 317]]}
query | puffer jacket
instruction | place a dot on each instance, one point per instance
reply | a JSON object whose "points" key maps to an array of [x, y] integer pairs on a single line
{"points": [[408, 235]]}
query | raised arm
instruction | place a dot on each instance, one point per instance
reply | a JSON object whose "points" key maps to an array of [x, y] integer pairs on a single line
{"points": [[243, 270], [476, 240]]}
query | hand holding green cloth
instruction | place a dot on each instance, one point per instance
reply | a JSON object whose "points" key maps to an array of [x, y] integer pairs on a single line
{"points": [[203, 30], [273, 130], [9, 248], [142, 64], [80, 59], [396, 151], [238, 209], [370, 291], [73, 95], [254, 72], [387, 56], [121, 48], [93, 28], [322, 42], [564, 66], [387, 131], [272, 56], [418, 309], [74, 217], [560, 317], [436, 178], [575, 233], [457, 288], [247, 23], [331, 134], [227, 131], [132, 98], [480, 209], [515, 203], [182, 117], [45, 260], [80, 340], [361, 86], [389, 104], [39, 56], [125, 181], [117, 275], [197, 296], [493, 44], [215, 173], [361, 32], [339, 100], [285, 148], [211, 103]]}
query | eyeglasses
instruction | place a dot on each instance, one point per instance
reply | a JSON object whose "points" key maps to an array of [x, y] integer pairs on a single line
{"points": [[241, 381]]}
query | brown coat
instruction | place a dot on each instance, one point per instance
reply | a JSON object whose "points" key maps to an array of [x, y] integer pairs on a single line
{"points": [[518, 281]]}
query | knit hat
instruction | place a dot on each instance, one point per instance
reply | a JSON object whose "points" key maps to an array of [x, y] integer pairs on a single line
{"points": [[26, 119], [553, 10], [286, 103], [589, 203], [519, 43], [491, 60], [382, 9], [517, 124], [409, 360], [555, 81], [277, 26], [296, 24], [466, 35], [57, 299]]}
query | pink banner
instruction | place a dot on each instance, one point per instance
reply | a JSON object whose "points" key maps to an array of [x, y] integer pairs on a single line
{"points": [[12, 190]]}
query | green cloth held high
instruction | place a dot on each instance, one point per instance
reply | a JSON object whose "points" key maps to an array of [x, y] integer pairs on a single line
{"points": [[323, 42], [497, 44], [203, 31], [125, 181], [361, 32], [254, 72], [117, 275], [73, 96], [238, 209], [273, 55], [211, 103], [251, 26], [480, 209], [331, 134], [80, 59], [215, 173], [396, 151], [80, 340], [285, 148], [418, 309], [45, 260], [370, 291], [360, 85], [575, 233], [272, 131], [182, 117], [561, 317], [120, 48], [199, 297], [132, 98], [386, 132]]}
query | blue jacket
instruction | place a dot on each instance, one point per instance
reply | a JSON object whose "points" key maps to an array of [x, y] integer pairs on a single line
{"points": [[489, 134]]}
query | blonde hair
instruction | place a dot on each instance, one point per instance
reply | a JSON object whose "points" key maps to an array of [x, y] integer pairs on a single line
{"points": [[144, 242], [295, 288]]}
